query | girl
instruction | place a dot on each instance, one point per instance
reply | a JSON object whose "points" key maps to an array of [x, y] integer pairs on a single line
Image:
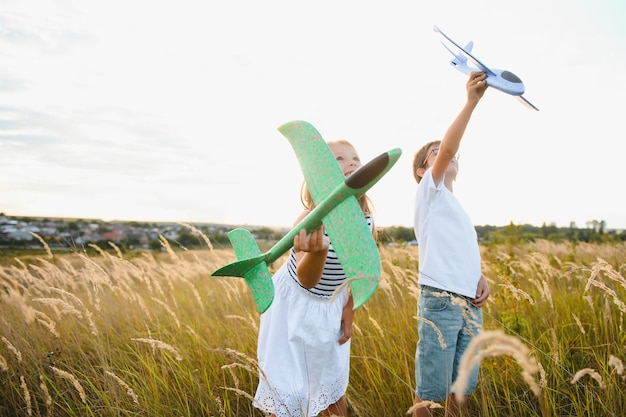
{"points": [[304, 338]]}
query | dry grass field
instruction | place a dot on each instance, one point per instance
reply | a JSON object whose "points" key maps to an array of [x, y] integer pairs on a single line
{"points": [[155, 335]]}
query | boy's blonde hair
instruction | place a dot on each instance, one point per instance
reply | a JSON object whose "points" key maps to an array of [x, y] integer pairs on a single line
{"points": [[420, 157]]}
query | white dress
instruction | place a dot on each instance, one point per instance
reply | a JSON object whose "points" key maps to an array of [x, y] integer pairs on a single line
{"points": [[304, 369]]}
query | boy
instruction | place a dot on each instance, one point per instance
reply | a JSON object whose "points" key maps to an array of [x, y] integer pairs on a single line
{"points": [[452, 288]]}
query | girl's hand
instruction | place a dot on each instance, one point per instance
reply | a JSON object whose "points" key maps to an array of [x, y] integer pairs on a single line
{"points": [[316, 241], [347, 318], [311, 250], [482, 292]]}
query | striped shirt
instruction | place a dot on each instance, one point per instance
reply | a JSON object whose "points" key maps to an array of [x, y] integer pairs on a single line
{"points": [[332, 276]]}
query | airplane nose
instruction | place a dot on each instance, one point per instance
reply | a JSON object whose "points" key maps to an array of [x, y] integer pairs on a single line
{"points": [[369, 171]]}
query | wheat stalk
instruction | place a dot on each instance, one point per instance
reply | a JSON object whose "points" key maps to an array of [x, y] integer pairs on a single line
{"points": [[617, 364], [199, 232], [47, 322], [154, 343], [442, 342], [578, 322], [588, 371], [73, 380], [12, 349], [17, 300], [423, 404], [57, 302], [124, 385], [516, 291], [501, 344], [27, 400], [249, 320], [46, 393], [4, 366], [43, 242], [169, 311]]}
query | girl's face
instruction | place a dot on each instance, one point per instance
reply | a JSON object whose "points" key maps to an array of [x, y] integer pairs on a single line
{"points": [[347, 158]]}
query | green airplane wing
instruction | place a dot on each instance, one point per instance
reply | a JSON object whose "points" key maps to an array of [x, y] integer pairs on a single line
{"points": [[356, 249], [317, 162], [345, 224]]}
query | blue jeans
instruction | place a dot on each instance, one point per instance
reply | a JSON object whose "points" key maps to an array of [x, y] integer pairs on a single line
{"points": [[439, 352]]}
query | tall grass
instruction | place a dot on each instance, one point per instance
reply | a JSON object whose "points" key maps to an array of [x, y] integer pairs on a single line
{"points": [[155, 335]]}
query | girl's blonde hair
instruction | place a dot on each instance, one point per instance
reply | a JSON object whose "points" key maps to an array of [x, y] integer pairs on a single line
{"points": [[364, 202]]}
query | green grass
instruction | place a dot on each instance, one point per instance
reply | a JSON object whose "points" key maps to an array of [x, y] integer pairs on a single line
{"points": [[105, 335]]}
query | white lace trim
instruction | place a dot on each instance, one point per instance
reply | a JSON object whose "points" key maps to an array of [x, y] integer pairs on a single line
{"points": [[284, 404]]}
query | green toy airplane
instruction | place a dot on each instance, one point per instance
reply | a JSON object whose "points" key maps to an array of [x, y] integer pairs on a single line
{"points": [[336, 207]]}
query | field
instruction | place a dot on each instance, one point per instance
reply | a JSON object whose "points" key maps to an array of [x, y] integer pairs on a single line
{"points": [[154, 335]]}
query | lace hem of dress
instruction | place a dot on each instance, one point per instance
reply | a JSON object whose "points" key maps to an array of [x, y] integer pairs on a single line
{"points": [[284, 404]]}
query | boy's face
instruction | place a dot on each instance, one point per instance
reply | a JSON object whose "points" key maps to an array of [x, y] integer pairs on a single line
{"points": [[430, 156], [451, 170]]}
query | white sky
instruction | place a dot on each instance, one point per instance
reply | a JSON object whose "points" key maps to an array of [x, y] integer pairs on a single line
{"points": [[167, 110]]}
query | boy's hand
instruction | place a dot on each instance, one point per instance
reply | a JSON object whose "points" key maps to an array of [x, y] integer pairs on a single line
{"points": [[482, 292], [476, 86]]}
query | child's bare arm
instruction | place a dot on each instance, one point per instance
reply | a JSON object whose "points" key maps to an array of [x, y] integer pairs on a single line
{"points": [[311, 250], [449, 146]]}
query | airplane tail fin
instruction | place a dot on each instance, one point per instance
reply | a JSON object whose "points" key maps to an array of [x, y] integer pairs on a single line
{"points": [[251, 266], [460, 60]]}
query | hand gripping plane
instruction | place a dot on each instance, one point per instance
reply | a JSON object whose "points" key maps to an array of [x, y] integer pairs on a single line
{"points": [[502, 80], [336, 207]]}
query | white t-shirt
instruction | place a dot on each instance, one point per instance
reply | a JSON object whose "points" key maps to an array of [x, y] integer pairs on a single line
{"points": [[449, 257]]}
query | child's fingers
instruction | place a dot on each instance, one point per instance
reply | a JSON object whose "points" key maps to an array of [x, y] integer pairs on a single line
{"points": [[299, 241], [314, 239], [319, 239], [312, 242], [480, 299]]}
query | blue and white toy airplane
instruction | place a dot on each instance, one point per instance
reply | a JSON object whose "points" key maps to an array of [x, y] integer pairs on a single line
{"points": [[336, 207], [501, 80]]}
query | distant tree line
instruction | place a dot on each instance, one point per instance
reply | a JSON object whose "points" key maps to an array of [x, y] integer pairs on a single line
{"points": [[17, 235], [595, 232], [147, 236]]}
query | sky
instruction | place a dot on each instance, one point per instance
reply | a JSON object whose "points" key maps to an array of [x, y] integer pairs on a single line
{"points": [[168, 111]]}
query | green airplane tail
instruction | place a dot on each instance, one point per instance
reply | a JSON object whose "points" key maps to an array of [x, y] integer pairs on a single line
{"points": [[251, 266]]}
